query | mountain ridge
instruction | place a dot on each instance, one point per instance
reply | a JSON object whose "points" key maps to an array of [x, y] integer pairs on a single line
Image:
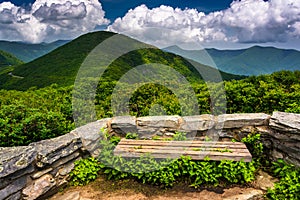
{"points": [[7, 59], [27, 51], [61, 65], [255, 60]]}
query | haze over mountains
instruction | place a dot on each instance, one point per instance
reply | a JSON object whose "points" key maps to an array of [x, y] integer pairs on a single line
{"points": [[252, 61]]}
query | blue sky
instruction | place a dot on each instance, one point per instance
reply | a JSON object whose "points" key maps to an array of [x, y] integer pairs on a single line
{"points": [[191, 24]]}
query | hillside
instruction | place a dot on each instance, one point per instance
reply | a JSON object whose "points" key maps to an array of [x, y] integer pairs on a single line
{"points": [[7, 62], [28, 52], [61, 65], [252, 61], [7, 59]]}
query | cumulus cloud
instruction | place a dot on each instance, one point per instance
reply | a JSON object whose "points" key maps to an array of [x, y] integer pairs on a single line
{"points": [[245, 21], [49, 20]]}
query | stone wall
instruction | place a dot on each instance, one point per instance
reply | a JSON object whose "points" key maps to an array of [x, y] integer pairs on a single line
{"points": [[40, 169]]}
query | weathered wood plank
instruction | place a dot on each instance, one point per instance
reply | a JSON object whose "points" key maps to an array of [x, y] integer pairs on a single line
{"points": [[162, 142], [197, 150], [187, 145], [193, 156], [170, 151]]}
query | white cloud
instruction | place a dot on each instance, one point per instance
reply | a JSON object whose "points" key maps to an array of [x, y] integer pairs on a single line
{"points": [[246, 21], [49, 20]]}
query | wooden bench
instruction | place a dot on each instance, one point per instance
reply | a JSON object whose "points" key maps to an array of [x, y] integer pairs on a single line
{"points": [[197, 150]]}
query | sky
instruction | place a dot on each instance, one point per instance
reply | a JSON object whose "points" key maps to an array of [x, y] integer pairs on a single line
{"points": [[223, 24]]}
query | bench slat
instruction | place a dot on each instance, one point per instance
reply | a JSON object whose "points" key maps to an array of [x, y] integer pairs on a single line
{"points": [[187, 145], [181, 148], [161, 142]]}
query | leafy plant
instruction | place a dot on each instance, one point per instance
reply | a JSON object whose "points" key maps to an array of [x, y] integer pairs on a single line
{"points": [[85, 171], [289, 185], [167, 172], [179, 136], [114, 139], [196, 149], [34, 115], [132, 136], [156, 137], [223, 150], [138, 147], [235, 172], [207, 139], [255, 147]]}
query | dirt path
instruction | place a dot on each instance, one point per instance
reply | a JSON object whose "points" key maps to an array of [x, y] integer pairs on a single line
{"points": [[103, 189]]}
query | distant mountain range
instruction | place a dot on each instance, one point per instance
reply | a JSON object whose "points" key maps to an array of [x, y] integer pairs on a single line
{"points": [[62, 64], [252, 61], [28, 52]]}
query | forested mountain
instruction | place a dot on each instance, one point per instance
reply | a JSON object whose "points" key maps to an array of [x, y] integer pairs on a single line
{"points": [[252, 61], [7, 59], [28, 52], [61, 65]]}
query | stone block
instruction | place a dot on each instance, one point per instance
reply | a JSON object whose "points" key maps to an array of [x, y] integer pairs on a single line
{"points": [[16, 196], [230, 121], [41, 173], [51, 150], [276, 154], [197, 123], [124, 124], [91, 135], [13, 187], [65, 160], [66, 169], [286, 122], [39, 187], [13, 159], [169, 122]]}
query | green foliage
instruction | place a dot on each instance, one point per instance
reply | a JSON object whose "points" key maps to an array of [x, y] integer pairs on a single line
{"points": [[132, 136], [115, 139], [162, 172], [34, 115], [156, 137], [254, 94], [223, 150], [85, 171], [7, 59], [167, 172], [266, 93], [237, 172], [289, 185], [255, 147], [179, 136]]}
